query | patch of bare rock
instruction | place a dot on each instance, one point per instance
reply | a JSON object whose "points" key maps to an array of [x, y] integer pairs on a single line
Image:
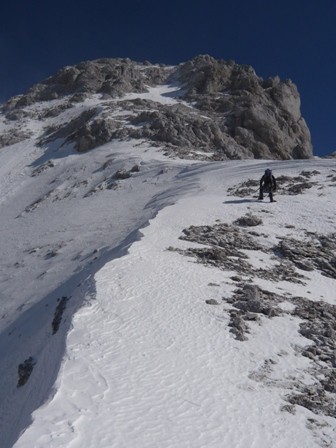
{"points": [[13, 136], [317, 252], [291, 185], [226, 246]]}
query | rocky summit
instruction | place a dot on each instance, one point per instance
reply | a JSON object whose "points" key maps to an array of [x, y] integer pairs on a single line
{"points": [[221, 110]]}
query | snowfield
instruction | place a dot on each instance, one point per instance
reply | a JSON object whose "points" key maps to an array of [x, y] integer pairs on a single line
{"points": [[117, 333]]}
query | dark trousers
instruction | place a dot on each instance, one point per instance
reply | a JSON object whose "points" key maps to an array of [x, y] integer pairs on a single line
{"points": [[267, 190]]}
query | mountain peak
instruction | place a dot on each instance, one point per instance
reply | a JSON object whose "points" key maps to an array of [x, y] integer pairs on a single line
{"points": [[130, 277], [229, 112]]}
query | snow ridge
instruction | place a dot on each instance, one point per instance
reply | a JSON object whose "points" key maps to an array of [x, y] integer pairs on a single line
{"points": [[117, 332]]}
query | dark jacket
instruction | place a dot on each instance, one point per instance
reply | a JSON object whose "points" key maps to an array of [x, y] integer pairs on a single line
{"points": [[267, 183]]}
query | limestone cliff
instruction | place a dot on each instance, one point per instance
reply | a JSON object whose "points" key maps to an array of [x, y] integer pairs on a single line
{"points": [[223, 109]]}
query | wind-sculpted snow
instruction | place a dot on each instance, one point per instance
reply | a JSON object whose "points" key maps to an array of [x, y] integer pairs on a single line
{"points": [[61, 222], [109, 339], [312, 252], [170, 341]]}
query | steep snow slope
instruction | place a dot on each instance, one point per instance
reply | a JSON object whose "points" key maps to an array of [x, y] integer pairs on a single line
{"points": [[149, 363], [121, 343], [63, 215]]}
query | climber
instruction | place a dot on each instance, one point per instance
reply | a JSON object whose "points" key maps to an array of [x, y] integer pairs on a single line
{"points": [[267, 185]]}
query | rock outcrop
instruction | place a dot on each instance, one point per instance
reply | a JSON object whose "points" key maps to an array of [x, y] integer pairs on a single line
{"points": [[223, 110], [263, 116]]}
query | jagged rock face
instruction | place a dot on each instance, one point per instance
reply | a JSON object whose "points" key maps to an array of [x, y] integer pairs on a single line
{"points": [[263, 116], [10, 138], [114, 77], [224, 109]]}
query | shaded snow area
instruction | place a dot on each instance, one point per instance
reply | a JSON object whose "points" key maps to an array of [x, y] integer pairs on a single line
{"points": [[148, 302]]}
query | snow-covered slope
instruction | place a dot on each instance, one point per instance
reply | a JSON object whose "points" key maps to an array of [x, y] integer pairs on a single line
{"points": [[115, 332]]}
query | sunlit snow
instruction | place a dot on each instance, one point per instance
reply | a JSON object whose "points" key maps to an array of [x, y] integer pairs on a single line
{"points": [[140, 360]]}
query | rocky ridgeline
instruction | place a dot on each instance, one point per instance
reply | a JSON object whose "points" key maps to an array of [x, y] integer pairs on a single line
{"points": [[223, 110]]}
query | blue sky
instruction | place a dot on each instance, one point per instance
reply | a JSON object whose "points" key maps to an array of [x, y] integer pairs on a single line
{"points": [[294, 39]]}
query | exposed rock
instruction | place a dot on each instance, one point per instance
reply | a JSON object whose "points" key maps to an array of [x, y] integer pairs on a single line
{"points": [[183, 129], [223, 236], [283, 271], [75, 129], [13, 136], [20, 114], [59, 314], [238, 327], [111, 182], [111, 76], [263, 116], [250, 304], [285, 185], [251, 301], [246, 188], [224, 245], [248, 221], [122, 174], [107, 184], [211, 302], [55, 111], [318, 252], [25, 370], [299, 188], [228, 112], [236, 278], [40, 169], [316, 399], [309, 174], [319, 326], [331, 155]]}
